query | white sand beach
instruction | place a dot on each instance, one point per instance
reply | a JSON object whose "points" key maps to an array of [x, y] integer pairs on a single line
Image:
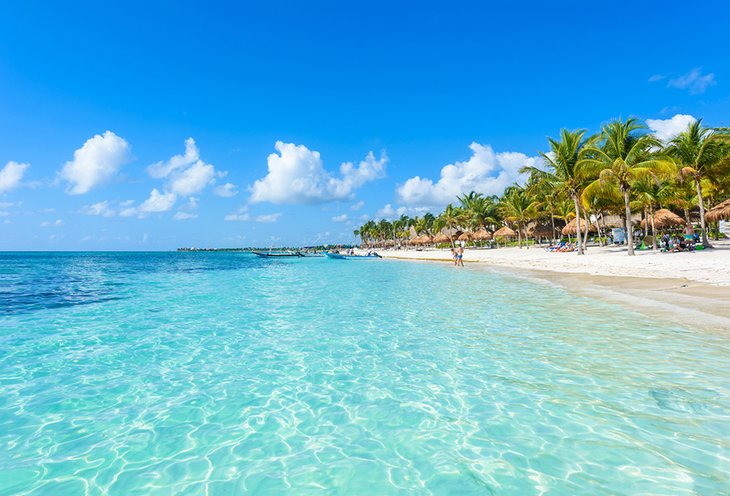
{"points": [[707, 266]]}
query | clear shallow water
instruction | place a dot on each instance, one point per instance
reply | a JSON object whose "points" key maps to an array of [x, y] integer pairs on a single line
{"points": [[159, 374]]}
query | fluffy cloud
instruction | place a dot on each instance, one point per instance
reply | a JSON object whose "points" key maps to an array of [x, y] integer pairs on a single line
{"points": [[667, 129], [357, 206], [340, 218], [101, 208], [296, 176], [95, 163], [485, 172], [226, 190], [694, 81], [388, 212], [11, 175], [187, 174], [156, 203]]}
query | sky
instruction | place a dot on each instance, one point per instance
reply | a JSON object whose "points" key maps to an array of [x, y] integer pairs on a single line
{"points": [[157, 125]]}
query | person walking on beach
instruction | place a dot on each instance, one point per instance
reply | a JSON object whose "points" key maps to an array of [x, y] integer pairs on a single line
{"points": [[460, 256], [454, 256]]}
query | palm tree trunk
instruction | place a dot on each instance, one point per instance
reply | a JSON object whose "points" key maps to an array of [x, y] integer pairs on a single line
{"points": [[519, 236], [577, 225], [653, 230], [629, 227], [552, 234], [585, 237], [705, 241], [598, 230]]}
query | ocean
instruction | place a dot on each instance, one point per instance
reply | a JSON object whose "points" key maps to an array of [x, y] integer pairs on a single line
{"points": [[226, 374]]}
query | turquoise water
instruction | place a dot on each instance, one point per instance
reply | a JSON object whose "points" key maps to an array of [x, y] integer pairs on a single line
{"points": [[164, 374]]}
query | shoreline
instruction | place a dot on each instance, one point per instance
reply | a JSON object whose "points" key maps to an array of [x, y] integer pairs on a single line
{"points": [[700, 301]]}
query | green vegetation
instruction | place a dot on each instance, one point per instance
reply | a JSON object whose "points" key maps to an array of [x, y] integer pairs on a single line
{"points": [[621, 171]]}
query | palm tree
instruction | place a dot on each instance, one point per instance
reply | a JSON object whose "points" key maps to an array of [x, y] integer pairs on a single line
{"points": [[565, 171], [450, 218], [479, 210], [650, 194], [698, 152], [518, 207], [621, 156]]}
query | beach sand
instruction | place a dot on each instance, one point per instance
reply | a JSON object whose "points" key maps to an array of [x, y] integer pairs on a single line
{"points": [[687, 287]]}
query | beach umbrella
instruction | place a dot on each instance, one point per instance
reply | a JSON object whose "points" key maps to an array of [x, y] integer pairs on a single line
{"points": [[505, 232], [467, 236], [540, 231], [719, 212], [664, 218], [482, 235], [441, 238], [571, 227]]}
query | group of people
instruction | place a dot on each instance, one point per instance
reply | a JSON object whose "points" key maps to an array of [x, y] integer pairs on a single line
{"points": [[678, 243], [562, 247], [457, 254]]}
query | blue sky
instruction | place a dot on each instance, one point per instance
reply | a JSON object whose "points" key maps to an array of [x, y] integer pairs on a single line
{"points": [[132, 126]]}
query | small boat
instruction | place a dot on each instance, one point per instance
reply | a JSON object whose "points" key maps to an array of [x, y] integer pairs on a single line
{"points": [[339, 256], [264, 254]]}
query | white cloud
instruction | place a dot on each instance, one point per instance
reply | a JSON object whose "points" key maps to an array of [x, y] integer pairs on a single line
{"points": [[101, 208], [296, 176], [95, 163], [184, 216], [11, 175], [226, 190], [56, 223], [158, 202], [388, 212], [485, 172], [357, 206], [240, 215], [268, 218], [161, 170], [657, 77], [694, 81], [6, 204], [667, 129], [3, 213], [187, 173], [340, 218]]}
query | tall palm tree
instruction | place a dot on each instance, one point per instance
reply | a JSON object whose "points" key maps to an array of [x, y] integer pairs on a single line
{"points": [[450, 218], [699, 152], [518, 207], [564, 169], [622, 155], [650, 194]]}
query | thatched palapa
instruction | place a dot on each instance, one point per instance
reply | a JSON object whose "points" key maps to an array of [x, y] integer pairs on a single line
{"points": [[664, 218], [571, 228], [505, 232], [482, 235], [719, 212]]}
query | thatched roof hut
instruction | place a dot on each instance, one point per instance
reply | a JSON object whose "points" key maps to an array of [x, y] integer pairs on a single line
{"points": [[719, 212], [540, 231], [482, 235], [571, 227], [466, 236], [441, 238], [664, 218], [504, 232]]}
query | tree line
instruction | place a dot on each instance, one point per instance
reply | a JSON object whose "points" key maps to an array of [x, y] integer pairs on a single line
{"points": [[622, 170]]}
